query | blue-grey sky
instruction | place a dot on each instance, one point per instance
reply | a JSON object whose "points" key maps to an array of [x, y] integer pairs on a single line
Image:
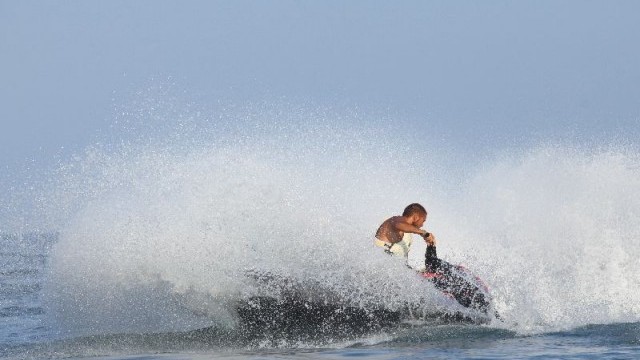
{"points": [[490, 70]]}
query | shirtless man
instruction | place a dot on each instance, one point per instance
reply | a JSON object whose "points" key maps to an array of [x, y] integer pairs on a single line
{"points": [[394, 235]]}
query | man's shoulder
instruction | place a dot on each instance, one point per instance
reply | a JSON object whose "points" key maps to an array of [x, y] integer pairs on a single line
{"points": [[397, 219]]}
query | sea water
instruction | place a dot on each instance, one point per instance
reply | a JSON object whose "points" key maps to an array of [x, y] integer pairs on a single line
{"points": [[153, 233]]}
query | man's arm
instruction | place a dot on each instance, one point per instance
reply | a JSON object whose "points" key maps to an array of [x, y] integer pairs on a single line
{"points": [[408, 228]]}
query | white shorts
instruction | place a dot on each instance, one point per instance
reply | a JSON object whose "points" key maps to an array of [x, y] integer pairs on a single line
{"points": [[400, 248]]}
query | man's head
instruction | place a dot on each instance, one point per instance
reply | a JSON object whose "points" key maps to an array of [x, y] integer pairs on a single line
{"points": [[415, 214]]}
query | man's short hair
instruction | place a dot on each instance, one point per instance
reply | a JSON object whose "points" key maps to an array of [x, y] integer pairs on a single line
{"points": [[414, 208]]}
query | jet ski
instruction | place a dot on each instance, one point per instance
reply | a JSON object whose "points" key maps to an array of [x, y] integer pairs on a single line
{"points": [[457, 282], [306, 311]]}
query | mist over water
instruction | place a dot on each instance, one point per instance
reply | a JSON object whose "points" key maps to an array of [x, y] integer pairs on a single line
{"points": [[159, 232]]}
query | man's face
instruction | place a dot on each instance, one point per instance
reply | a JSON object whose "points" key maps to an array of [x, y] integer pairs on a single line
{"points": [[418, 220]]}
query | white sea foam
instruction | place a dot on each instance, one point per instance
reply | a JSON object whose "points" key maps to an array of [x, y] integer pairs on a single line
{"points": [[159, 235]]}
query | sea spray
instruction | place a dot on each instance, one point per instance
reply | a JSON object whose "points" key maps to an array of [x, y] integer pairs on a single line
{"points": [[162, 233], [554, 229], [162, 237]]}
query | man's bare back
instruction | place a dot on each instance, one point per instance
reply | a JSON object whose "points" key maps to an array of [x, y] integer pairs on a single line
{"points": [[387, 231]]}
